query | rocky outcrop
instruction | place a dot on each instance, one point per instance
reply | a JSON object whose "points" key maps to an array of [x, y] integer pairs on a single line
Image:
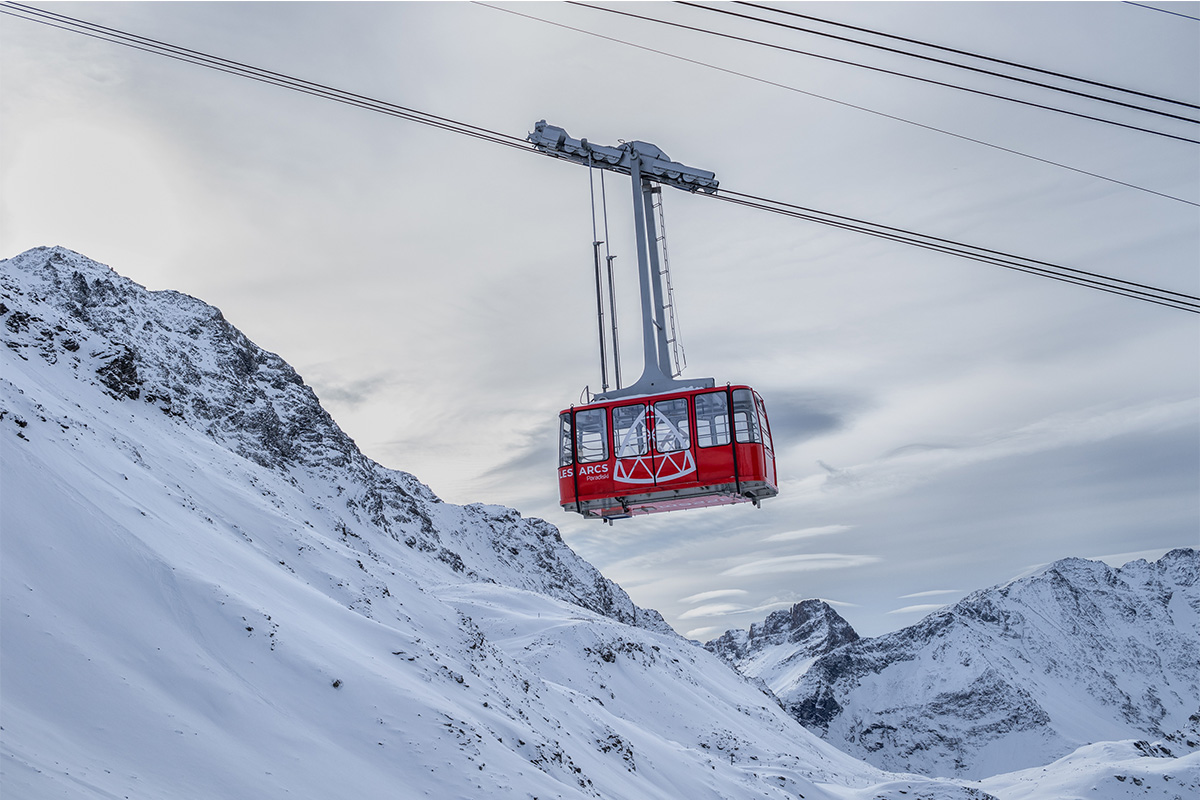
{"points": [[785, 640], [180, 355], [1018, 675]]}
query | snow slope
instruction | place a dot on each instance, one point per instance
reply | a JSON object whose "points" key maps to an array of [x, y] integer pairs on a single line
{"points": [[206, 591], [1018, 675], [781, 648]]}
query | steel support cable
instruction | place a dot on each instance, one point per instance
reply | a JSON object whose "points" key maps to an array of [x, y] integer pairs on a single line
{"points": [[896, 73], [995, 261], [370, 105], [1163, 10], [146, 44], [844, 103], [1186, 302], [864, 225], [852, 220], [944, 62], [954, 50], [1138, 291]]}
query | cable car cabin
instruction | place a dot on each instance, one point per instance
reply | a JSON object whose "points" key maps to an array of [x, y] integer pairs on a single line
{"points": [[665, 452]]}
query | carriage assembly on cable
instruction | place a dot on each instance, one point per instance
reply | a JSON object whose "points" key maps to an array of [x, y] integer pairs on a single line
{"points": [[663, 443]]}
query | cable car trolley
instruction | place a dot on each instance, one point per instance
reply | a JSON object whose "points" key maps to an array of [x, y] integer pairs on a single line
{"points": [[663, 443]]}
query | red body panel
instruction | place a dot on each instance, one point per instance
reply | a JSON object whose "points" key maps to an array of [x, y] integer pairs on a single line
{"points": [[638, 464]]}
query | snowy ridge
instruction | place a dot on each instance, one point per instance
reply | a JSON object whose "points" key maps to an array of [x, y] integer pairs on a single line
{"points": [[179, 355], [207, 591], [781, 648], [1018, 675]]}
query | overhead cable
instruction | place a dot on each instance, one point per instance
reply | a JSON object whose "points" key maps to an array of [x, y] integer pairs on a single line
{"points": [[219, 64], [1119, 286], [941, 61], [826, 98], [945, 49], [1045, 269], [886, 71], [1163, 10]]}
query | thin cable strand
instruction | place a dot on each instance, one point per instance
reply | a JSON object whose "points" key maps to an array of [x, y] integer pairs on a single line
{"points": [[956, 51], [949, 242], [1163, 10], [1083, 278], [176, 52], [1162, 297], [991, 73], [840, 102]]}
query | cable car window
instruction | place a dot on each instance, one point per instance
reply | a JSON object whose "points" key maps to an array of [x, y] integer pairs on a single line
{"points": [[564, 440], [766, 426], [591, 435], [629, 431], [745, 419], [671, 429], [712, 419]]}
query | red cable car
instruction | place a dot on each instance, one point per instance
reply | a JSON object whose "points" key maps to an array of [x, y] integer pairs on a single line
{"points": [[665, 452], [661, 444]]}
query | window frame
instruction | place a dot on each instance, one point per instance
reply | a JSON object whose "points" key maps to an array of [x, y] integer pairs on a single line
{"points": [[716, 434], [566, 437], [639, 419], [584, 451], [744, 401]]}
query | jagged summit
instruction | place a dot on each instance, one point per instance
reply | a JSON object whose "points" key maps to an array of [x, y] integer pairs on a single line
{"points": [[1013, 676], [781, 648], [177, 353], [168, 351]]}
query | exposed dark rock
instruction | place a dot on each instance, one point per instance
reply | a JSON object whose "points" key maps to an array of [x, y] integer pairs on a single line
{"points": [[812, 624], [1011, 669], [181, 355]]}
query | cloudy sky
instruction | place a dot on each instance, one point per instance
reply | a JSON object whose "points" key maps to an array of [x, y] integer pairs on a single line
{"points": [[942, 425]]}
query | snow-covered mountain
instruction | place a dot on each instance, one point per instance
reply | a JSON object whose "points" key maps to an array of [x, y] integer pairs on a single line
{"points": [[1009, 677], [781, 648], [207, 591]]}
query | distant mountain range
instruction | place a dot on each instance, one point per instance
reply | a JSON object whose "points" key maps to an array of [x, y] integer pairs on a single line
{"points": [[1007, 678], [208, 591]]}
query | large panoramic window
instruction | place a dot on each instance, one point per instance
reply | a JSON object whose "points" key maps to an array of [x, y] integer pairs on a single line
{"points": [[745, 417], [671, 429], [629, 431], [591, 435], [712, 419]]}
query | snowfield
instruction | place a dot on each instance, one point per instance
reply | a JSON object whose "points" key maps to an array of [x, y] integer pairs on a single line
{"points": [[209, 592]]}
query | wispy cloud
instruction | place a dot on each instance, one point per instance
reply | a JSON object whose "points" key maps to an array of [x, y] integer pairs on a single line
{"points": [[907, 466], [808, 533], [801, 563], [712, 610], [700, 634], [769, 606], [930, 593], [334, 390], [1121, 559], [839, 603], [713, 595], [918, 609]]}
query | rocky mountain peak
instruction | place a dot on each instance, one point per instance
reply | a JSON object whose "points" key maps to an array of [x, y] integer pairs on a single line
{"points": [[1012, 676], [168, 354], [808, 629], [176, 353]]}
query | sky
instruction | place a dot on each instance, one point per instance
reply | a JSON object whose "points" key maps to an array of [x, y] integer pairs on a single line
{"points": [[941, 425]]}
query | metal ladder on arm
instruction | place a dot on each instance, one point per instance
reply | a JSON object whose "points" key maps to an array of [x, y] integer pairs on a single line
{"points": [[678, 356]]}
